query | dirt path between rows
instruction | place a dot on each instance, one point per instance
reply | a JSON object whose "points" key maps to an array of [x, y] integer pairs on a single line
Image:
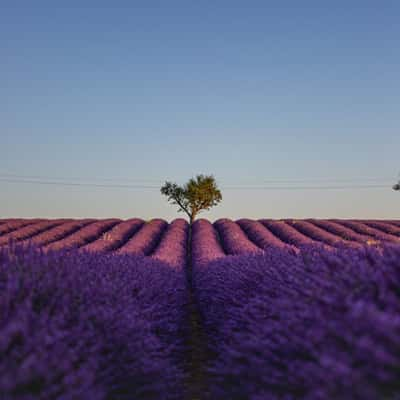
{"points": [[198, 352]]}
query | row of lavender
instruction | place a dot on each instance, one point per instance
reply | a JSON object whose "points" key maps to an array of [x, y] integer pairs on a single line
{"points": [[224, 237], [321, 323], [82, 325], [316, 324]]}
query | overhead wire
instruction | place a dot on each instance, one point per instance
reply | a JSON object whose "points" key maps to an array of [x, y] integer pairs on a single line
{"points": [[25, 180], [159, 181], [89, 184], [59, 178]]}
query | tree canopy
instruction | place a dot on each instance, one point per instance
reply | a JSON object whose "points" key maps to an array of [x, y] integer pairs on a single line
{"points": [[198, 194]]}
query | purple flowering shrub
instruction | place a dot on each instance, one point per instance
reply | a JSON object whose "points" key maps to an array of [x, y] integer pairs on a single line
{"points": [[337, 229], [79, 325], [383, 226], [206, 246], [320, 235], [173, 246], [146, 239], [233, 238], [115, 237], [110, 309], [9, 225], [26, 231], [58, 232], [260, 234], [317, 324], [364, 229], [83, 236], [286, 233]]}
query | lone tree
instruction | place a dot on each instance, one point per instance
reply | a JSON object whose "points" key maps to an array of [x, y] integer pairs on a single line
{"points": [[200, 193]]}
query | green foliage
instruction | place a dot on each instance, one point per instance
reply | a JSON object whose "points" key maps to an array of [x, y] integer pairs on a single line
{"points": [[200, 193]]}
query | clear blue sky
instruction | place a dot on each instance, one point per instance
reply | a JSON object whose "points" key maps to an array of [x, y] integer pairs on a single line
{"points": [[250, 91]]}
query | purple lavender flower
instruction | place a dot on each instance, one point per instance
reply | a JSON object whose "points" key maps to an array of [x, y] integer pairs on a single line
{"points": [[80, 325], [10, 225], [318, 324], [27, 231], [260, 234], [58, 232], [233, 238], [337, 229], [146, 239], [364, 229], [115, 237], [83, 236], [206, 246], [316, 233], [384, 226], [173, 246], [286, 233]]}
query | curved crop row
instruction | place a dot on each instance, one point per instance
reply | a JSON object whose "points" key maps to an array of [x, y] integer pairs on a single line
{"points": [[26, 232], [286, 233], [366, 230], [58, 232], [82, 325], [205, 244], [341, 231], [83, 236], [243, 236], [4, 221], [281, 325], [115, 237], [145, 240], [384, 226], [316, 233], [173, 246], [13, 224], [233, 239], [259, 234]]}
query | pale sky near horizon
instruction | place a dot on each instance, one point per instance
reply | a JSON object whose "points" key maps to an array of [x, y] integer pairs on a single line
{"points": [[253, 92]]}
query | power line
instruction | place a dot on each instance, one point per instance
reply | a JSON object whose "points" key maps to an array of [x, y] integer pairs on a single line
{"points": [[129, 182], [59, 178], [347, 180], [144, 186], [332, 187], [312, 187], [99, 185]]}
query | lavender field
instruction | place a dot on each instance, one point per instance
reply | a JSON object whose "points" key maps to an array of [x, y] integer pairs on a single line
{"points": [[167, 241], [134, 309]]}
